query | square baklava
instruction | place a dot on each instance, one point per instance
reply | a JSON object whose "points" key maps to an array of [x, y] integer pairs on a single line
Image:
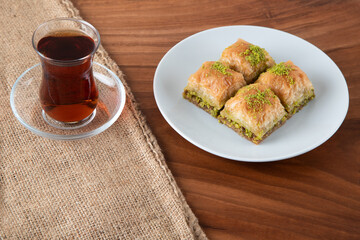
{"points": [[246, 58], [254, 112], [212, 85], [290, 84]]}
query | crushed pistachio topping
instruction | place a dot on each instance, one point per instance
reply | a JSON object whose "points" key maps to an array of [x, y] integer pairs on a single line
{"points": [[256, 101], [221, 68], [248, 133], [282, 69], [254, 55]]}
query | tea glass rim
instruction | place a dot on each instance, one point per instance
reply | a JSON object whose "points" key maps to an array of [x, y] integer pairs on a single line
{"points": [[67, 61]]}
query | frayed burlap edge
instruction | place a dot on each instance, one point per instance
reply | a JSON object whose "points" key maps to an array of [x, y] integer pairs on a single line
{"points": [[150, 139]]}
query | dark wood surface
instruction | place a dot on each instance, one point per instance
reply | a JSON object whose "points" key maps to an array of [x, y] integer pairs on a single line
{"points": [[312, 196]]}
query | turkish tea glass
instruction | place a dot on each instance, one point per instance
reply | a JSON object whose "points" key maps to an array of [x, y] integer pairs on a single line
{"points": [[68, 94]]}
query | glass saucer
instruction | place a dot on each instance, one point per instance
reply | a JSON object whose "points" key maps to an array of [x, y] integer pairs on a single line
{"points": [[25, 104]]}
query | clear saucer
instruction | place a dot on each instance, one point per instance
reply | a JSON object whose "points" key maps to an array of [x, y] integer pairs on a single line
{"points": [[25, 104]]}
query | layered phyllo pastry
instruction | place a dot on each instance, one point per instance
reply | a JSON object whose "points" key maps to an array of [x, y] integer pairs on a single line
{"points": [[248, 59], [254, 112], [212, 85], [290, 84]]}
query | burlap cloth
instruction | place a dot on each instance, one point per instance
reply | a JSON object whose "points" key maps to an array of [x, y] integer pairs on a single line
{"points": [[115, 185]]}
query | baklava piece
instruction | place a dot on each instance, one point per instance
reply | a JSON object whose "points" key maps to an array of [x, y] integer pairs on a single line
{"points": [[290, 84], [212, 85], [254, 112], [248, 59]]}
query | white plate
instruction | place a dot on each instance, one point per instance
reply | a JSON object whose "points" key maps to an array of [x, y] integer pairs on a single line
{"points": [[306, 130]]}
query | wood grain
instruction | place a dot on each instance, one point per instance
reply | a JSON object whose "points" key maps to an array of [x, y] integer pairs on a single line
{"points": [[312, 196]]}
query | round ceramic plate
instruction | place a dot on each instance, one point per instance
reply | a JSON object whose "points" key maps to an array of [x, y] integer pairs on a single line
{"points": [[306, 130], [25, 103]]}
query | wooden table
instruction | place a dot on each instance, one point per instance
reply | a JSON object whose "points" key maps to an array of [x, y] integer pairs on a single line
{"points": [[312, 196]]}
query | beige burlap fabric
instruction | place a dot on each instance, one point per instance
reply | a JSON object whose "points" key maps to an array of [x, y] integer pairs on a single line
{"points": [[115, 185]]}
